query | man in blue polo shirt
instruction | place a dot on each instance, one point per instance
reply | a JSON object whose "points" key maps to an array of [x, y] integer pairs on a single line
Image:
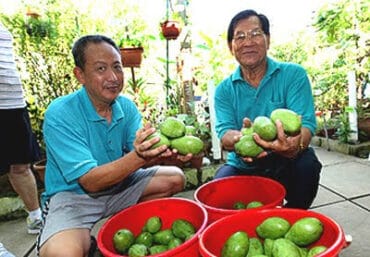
{"points": [[98, 161], [257, 87]]}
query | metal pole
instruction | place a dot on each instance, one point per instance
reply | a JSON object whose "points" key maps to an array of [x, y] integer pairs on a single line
{"points": [[167, 59], [167, 73]]}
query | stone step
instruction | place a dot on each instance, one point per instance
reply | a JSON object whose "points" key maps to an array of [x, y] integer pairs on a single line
{"points": [[359, 150]]}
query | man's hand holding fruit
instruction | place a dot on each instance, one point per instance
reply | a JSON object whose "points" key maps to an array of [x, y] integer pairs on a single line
{"points": [[281, 133], [171, 141]]}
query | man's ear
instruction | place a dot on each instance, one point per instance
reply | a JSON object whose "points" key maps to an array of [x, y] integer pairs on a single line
{"points": [[267, 42], [79, 74], [229, 44]]}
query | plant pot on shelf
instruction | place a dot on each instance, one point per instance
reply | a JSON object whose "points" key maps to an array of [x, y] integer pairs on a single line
{"points": [[170, 29], [131, 56], [364, 125], [39, 168]]}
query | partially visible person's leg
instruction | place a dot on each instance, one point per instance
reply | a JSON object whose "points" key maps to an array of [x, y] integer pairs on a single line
{"points": [[167, 181], [226, 171], [24, 184], [18, 143], [71, 242], [69, 218], [304, 180]]}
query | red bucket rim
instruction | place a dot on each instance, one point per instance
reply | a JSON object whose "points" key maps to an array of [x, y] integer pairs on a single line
{"points": [[231, 211], [171, 252]]}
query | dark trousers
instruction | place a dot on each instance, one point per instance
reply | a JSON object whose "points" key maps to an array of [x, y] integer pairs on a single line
{"points": [[299, 176]]}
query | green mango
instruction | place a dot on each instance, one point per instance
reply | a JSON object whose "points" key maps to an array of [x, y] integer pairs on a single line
{"points": [[255, 247], [267, 246], [153, 224], [237, 245], [305, 231], [254, 204], [239, 205], [163, 237], [144, 238], [175, 242], [291, 120], [137, 250], [172, 127], [316, 250], [265, 128], [273, 228], [247, 131], [163, 140], [303, 251], [155, 249], [182, 228], [285, 248], [122, 240], [247, 147], [190, 130], [187, 144]]}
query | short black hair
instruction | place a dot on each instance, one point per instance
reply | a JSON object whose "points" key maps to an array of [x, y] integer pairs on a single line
{"points": [[244, 15], [79, 47]]}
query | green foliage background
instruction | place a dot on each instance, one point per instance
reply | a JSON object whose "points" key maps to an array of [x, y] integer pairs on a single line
{"points": [[340, 44]]}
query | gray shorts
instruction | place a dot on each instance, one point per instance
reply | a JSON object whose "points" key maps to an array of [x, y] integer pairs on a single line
{"points": [[68, 210]]}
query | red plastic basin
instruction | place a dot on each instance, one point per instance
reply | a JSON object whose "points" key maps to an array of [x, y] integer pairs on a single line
{"points": [[214, 236], [218, 196], [169, 209]]}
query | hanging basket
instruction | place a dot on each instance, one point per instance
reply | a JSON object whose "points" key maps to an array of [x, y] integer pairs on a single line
{"points": [[131, 56], [33, 14], [170, 29]]}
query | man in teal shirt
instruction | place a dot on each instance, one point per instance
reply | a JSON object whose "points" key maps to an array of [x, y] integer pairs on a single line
{"points": [[79, 139], [257, 87], [99, 160]]}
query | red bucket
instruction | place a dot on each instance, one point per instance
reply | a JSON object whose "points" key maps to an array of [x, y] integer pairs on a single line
{"points": [[218, 196], [214, 236], [169, 209]]}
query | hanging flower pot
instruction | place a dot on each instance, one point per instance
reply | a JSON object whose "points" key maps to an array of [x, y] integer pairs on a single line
{"points": [[32, 14], [132, 56], [170, 29]]}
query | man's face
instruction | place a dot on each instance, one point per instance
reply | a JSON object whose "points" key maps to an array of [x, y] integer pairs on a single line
{"points": [[249, 44], [103, 74]]}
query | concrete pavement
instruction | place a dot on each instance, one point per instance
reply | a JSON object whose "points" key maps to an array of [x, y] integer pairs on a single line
{"points": [[344, 195]]}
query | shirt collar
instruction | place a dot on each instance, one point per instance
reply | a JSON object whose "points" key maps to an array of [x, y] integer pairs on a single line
{"points": [[91, 113], [272, 67]]}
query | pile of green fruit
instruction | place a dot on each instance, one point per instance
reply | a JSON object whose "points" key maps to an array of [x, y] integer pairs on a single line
{"points": [[277, 237], [153, 239], [265, 127], [175, 134], [240, 205]]}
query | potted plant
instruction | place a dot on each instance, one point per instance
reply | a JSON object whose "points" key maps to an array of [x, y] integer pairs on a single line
{"points": [[170, 29], [363, 112], [131, 51], [39, 168]]}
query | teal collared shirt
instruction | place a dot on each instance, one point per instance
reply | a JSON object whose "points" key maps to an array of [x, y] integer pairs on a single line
{"points": [[78, 139], [285, 85]]}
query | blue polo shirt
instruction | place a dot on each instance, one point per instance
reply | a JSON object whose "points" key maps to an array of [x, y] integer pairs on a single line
{"points": [[78, 139], [285, 85]]}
